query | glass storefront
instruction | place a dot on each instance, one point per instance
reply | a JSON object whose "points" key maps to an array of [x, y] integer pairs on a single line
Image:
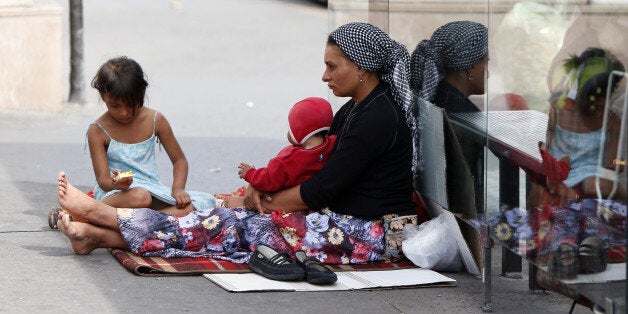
{"points": [[551, 185]]}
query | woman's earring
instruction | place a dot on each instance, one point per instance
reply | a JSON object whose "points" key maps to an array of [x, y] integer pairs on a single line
{"points": [[361, 79], [469, 77]]}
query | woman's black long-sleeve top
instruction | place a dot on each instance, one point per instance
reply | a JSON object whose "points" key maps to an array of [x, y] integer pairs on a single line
{"points": [[369, 172]]}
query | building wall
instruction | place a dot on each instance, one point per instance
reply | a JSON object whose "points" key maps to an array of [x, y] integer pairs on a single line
{"points": [[30, 56]]}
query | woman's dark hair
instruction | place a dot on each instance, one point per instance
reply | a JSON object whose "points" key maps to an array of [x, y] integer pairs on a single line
{"points": [[332, 41], [121, 78]]}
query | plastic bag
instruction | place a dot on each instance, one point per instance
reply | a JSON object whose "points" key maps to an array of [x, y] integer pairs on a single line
{"points": [[432, 245]]}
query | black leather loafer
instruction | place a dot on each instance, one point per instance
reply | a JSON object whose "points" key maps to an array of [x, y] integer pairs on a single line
{"points": [[273, 265], [564, 263], [315, 272], [592, 255]]}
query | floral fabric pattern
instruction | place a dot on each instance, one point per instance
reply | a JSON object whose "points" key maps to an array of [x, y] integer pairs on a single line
{"points": [[327, 236], [393, 226], [232, 234], [209, 232], [538, 233]]}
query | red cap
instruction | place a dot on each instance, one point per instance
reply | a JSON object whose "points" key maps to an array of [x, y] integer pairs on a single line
{"points": [[308, 117]]}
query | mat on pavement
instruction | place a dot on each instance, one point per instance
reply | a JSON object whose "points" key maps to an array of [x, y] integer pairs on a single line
{"points": [[147, 266]]}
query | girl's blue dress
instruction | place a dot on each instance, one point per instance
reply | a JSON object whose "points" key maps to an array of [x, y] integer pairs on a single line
{"points": [[583, 151], [140, 158]]}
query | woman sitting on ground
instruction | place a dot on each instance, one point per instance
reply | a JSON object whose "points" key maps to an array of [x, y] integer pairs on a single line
{"points": [[369, 172]]}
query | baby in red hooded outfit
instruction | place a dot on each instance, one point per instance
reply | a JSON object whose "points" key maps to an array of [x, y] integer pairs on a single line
{"points": [[309, 121]]}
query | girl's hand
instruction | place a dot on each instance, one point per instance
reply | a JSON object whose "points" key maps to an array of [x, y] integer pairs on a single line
{"points": [[243, 168], [182, 197], [123, 184]]}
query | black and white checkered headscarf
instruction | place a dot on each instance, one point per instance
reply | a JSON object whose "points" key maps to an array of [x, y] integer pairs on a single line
{"points": [[373, 50], [454, 46]]}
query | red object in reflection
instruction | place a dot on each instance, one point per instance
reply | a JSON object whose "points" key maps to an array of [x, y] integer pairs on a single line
{"points": [[555, 170], [508, 101]]}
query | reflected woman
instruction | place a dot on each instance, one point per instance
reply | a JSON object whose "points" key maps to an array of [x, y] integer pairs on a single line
{"points": [[450, 66], [446, 70]]}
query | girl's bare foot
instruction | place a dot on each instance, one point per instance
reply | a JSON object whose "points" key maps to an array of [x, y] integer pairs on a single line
{"points": [[179, 212], [77, 233]]}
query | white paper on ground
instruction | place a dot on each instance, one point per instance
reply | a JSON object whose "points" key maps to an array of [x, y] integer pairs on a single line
{"points": [[613, 272], [354, 280]]}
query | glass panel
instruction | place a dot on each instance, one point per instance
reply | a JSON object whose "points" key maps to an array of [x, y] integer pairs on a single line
{"points": [[541, 87], [545, 86]]}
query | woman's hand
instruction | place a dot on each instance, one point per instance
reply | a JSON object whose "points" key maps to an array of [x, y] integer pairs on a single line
{"points": [[122, 184], [182, 197], [288, 200], [253, 200]]}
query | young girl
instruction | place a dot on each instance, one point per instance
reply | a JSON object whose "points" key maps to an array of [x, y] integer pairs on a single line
{"points": [[576, 119], [123, 139]]}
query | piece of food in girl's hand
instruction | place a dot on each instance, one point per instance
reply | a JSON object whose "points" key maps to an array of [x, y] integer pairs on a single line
{"points": [[123, 175]]}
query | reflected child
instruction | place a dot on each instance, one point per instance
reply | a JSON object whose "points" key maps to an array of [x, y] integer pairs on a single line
{"points": [[576, 117]]}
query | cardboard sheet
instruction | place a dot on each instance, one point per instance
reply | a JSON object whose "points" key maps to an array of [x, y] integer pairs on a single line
{"points": [[353, 280], [433, 184]]}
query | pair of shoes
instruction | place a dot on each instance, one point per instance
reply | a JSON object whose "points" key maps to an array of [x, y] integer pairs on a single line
{"points": [[592, 255], [564, 264], [273, 265], [590, 258], [315, 272]]}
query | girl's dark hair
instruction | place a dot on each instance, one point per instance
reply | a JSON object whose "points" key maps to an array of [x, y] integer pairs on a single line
{"points": [[121, 78], [595, 65]]}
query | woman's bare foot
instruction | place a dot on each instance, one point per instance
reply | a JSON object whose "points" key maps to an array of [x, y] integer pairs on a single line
{"points": [[73, 200], [77, 233]]}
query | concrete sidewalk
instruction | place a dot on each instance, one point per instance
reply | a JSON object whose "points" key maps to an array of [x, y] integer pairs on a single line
{"points": [[224, 73]]}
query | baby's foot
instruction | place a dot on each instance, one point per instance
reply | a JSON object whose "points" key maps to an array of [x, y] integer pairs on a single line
{"points": [[77, 233], [73, 200], [233, 201]]}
